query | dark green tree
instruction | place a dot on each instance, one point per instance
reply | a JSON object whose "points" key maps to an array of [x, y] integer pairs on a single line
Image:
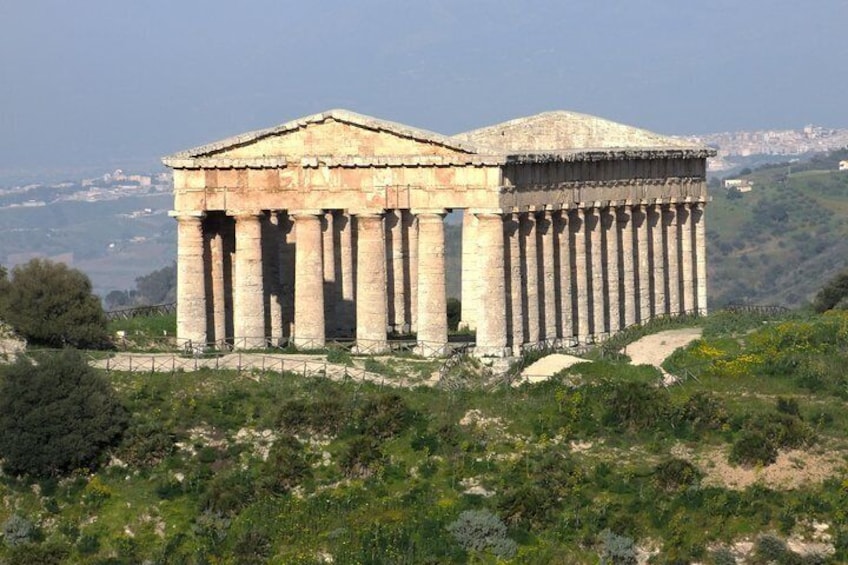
{"points": [[56, 415], [51, 304], [834, 294], [158, 287]]}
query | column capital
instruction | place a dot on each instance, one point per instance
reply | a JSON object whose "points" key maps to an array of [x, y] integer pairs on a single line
{"points": [[245, 214], [364, 212], [486, 211], [187, 215], [306, 212], [428, 211]]}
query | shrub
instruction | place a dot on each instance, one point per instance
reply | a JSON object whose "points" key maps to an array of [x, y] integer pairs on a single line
{"points": [[51, 304], [770, 548], [480, 530], [317, 417], [56, 415], [145, 444], [51, 553], [384, 416], [617, 549], [18, 530], [286, 466], [454, 309], [675, 474], [362, 458], [723, 556], [752, 448], [704, 412], [635, 406]]}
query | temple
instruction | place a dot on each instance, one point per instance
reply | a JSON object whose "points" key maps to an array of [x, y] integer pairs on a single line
{"points": [[332, 226]]}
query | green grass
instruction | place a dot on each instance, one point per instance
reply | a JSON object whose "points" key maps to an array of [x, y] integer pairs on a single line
{"points": [[423, 448]]}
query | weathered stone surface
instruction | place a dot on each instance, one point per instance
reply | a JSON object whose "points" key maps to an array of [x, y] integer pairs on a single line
{"points": [[557, 241]]}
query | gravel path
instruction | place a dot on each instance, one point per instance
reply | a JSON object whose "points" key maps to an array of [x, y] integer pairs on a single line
{"points": [[655, 348]]}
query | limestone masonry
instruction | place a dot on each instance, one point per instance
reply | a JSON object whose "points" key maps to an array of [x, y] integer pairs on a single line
{"points": [[332, 226]]}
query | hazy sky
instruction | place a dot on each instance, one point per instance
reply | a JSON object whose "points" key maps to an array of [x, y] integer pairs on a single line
{"points": [[85, 82]]}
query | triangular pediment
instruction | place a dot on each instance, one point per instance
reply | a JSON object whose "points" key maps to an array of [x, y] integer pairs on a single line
{"points": [[336, 133]]}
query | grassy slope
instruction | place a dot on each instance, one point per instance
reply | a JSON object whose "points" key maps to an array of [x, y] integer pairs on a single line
{"points": [[212, 499], [782, 241]]}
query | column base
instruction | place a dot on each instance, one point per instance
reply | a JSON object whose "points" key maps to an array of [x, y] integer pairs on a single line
{"points": [[308, 343]]}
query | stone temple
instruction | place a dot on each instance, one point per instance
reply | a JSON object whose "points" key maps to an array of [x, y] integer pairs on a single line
{"points": [[332, 226]]}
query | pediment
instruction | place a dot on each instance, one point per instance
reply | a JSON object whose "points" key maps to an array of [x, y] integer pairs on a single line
{"points": [[337, 134]]}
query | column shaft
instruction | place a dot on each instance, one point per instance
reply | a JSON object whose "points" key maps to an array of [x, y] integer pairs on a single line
{"points": [[371, 298], [643, 254], [613, 280], [309, 321], [687, 264], [273, 240], [548, 305], [672, 264], [328, 257], [700, 256], [598, 297], [345, 308], [432, 293], [578, 229], [287, 260], [628, 275], [191, 293], [515, 282], [218, 306], [657, 260], [530, 253], [491, 325], [565, 272], [249, 292], [469, 285]]}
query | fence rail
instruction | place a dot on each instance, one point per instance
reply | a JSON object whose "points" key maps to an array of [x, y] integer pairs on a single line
{"points": [[141, 311]]}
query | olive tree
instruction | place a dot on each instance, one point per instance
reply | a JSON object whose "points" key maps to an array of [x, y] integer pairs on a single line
{"points": [[52, 304], [57, 414]]}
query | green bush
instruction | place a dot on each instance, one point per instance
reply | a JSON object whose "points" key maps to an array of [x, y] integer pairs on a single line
{"points": [[362, 458], [325, 416], [675, 475], [37, 554], [145, 444], [286, 467], [51, 304], [384, 416], [753, 448], [635, 406], [56, 415]]}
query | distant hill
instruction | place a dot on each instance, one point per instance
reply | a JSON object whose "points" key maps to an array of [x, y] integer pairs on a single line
{"points": [[780, 242]]}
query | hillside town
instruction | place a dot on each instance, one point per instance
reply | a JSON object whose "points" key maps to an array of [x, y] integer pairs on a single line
{"points": [[731, 146]]}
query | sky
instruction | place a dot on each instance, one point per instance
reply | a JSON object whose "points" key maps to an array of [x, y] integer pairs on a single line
{"points": [[91, 82]]}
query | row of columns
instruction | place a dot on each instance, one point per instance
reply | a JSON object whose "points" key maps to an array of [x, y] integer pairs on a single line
{"points": [[576, 276], [386, 274]]}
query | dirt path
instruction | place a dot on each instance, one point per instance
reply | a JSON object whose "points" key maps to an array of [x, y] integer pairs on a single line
{"points": [[655, 348]]}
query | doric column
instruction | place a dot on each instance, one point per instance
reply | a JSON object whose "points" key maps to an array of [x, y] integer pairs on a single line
{"points": [[610, 225], [596, 268], [687, 265], [578, 229], [287, 260], [396, 270], [700, 256], [657, 259], [309, 322], [643, 254], [491, 325], [530, 254], [412, 231], [217, 309], [191, 276], [565, 272], [345, 308], [515, 282], [548, 305], [371, 298], [432, 292], [469, 284], [672, 266], [249, 290], [272, 239], [628, 274], [328, 256]]}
